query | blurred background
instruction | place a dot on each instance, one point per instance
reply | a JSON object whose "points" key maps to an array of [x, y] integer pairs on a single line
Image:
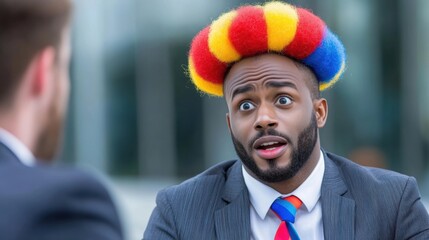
{"points": [[136, 120]]}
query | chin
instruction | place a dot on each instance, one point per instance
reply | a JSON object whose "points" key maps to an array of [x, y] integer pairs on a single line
{"points": [[283, 161]]}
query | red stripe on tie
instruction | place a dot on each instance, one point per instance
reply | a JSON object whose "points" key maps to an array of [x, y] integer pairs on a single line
{"points": [[296, 202], [282, 232]]}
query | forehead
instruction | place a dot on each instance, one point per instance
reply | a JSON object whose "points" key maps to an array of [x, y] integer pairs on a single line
{"points": [[259, 69]]}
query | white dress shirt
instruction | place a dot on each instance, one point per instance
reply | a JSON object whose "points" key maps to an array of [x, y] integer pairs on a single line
{"points": [[308, 220], [17, 147]]}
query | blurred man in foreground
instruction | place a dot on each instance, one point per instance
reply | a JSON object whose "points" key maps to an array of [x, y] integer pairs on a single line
{"points": [[38, 201], [270, 63]]}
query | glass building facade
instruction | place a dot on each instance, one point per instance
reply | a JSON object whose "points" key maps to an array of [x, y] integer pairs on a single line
{"points": [[134, 112]]}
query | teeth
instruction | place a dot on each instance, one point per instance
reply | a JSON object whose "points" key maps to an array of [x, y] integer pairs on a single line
{"points": [[268, 144]]}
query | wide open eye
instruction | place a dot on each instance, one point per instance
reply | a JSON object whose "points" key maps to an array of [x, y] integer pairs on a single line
{"points": [[284, 100], [246, 106]]}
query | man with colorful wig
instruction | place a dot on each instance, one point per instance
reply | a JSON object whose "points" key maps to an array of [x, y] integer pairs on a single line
{"points": [[270, 63], [38, 201]]}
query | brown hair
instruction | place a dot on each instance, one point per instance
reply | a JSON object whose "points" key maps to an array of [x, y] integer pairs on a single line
{"points": [[27, 27]]}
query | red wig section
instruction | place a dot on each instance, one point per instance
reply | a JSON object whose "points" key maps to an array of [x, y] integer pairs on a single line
{"points": [[309, 35], [205, 63], [248, 31]]}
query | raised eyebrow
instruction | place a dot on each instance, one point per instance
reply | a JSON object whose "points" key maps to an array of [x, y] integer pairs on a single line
{"points": [[280, 84], [240, 90]]}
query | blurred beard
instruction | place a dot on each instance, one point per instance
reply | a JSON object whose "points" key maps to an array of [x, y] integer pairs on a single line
{"points": [[300, 154]]}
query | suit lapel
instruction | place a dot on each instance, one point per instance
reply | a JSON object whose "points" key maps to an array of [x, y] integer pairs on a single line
{"points": [[233, 220], [338, 211]]}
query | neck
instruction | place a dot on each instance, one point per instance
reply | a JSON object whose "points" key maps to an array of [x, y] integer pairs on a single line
{"points": [[20, 124]]}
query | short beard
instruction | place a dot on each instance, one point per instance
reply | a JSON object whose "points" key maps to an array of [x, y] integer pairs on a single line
{"points": [[300, 154]]}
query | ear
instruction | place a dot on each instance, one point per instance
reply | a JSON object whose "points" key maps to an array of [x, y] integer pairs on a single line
{"points": [[228, 121], [43, 70], [321, 111]]}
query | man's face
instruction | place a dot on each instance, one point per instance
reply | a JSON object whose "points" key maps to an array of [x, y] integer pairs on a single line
{"points": [[52, 128], [271, 116]]}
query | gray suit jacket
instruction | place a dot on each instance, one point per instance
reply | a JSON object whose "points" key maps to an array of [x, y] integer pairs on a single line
{"points": [[357, 203], [53, 203]]}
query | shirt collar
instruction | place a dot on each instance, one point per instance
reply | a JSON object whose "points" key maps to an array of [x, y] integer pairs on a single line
{"points": [[21, 151], [262, 196]]}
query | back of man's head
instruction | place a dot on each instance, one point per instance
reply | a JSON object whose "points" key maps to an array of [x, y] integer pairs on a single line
{"points": [[27, 27]]}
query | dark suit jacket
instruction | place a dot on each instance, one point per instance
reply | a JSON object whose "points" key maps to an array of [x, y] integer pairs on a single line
{"points": [[357, 203], [52, 203]]}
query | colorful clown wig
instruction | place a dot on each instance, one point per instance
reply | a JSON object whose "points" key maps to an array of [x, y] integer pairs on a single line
{"points": [[252, 30]]}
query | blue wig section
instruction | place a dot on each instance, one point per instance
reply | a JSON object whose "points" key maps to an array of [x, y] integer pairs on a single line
{"points": [[327, 59]]}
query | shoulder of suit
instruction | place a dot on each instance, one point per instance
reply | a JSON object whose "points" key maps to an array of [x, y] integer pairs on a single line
{"points": [[74, 179], [357, 175], [52, 181]]}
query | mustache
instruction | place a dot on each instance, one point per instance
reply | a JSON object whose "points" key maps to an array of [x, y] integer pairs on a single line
{"points": [[269, 132]]}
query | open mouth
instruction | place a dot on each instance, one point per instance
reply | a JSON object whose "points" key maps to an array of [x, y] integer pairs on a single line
{"points": [[270, 147]]}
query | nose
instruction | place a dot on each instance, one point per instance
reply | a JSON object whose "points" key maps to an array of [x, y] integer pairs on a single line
{"points": [[265, 119]]}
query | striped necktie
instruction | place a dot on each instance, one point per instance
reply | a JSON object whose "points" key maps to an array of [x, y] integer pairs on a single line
{"points": [[285, 209]]}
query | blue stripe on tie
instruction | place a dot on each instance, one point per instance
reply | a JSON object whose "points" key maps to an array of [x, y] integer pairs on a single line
{"points": [[291, 208], [292, 232], [284, 209]]}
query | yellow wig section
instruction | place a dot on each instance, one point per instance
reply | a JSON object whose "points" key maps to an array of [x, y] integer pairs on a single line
{"points": [[203, 85], [219, 43], [282, 21], [329, 84]]}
